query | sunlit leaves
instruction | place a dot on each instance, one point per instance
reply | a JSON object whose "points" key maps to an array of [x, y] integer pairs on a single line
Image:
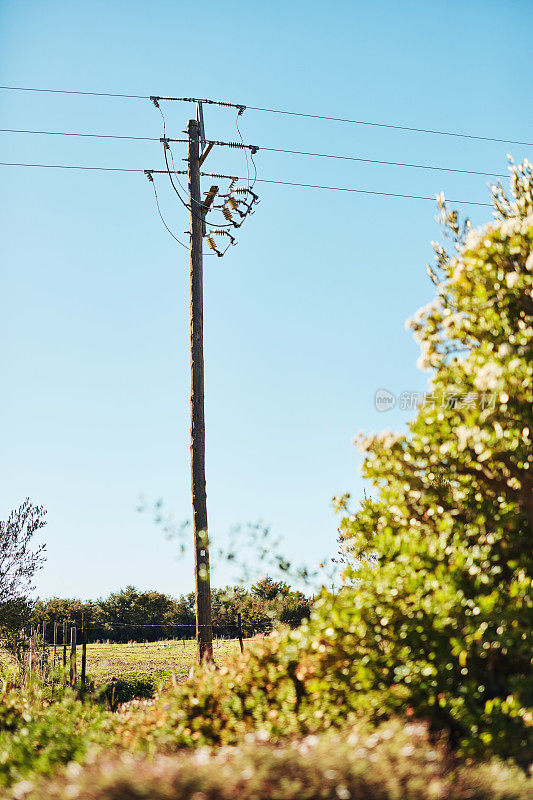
{"points": [[449, 607]]}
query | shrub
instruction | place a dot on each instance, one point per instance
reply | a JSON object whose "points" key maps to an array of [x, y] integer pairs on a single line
{"points": [[37, 736], [121, 690], [446, 616], [394, 762]]}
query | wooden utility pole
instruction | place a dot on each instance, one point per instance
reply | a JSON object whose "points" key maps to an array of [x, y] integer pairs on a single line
{"points": [[204, 629]]}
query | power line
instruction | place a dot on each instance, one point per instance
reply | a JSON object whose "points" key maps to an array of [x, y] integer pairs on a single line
{"points": [[85, 135], [71, 91], [410, 129], [163, 219], [386, 163], [367, 191], [272, 150], [389, 125], [259, 180], [70, 166], [189, 208]]}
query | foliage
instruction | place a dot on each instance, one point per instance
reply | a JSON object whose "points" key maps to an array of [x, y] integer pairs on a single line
{"points": [[10, 671], [36, 736], [19, 560], [130, 608], [449, 610], [389, 763], [16, 613], [265, 604], [57, 609], [130, 614], [121, 690]]}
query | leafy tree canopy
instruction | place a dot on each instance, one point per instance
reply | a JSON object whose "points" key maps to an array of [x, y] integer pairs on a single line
{"points": [[446, 615], [19, 558]]}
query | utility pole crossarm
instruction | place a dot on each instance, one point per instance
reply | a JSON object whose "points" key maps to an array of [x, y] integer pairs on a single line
{"points": [[207, 149]]}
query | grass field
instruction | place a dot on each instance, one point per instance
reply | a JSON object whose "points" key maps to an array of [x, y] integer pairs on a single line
{"points": [[157, 659]]}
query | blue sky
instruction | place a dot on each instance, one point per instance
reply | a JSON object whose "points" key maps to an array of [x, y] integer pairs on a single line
{"points": [[304, 318]]}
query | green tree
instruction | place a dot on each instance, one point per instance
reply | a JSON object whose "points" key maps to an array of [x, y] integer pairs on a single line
{"points": [[19, 561], [57, 609], [446, 616], [131, 614]]}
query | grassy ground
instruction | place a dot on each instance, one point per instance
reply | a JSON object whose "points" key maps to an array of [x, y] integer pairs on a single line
{"points": [[138, 659], [8, 667], [159, 660]]}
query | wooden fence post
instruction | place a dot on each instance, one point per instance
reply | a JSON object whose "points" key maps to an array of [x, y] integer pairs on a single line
{"points": [[30, 656], [23, 665], [43, 653], [54, 658], [64, 652], [83, 651], [239, 631], [73, 674]]}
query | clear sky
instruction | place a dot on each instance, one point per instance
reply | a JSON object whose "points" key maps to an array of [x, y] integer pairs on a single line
{"points": [[304, 318]]}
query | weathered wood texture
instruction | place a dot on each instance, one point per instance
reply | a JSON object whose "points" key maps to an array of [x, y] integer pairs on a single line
{"points": [[204, 631]]}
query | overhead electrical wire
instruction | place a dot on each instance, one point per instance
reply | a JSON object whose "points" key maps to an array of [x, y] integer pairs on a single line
{"points": [[73, 91], [410, 129], [172, 171], [389, 125], [367, 191], [171, 156], [163, 219], [84, 135], [197, 216], [70, 166], [387, 163], [273, 150], [244, 148], [259, 180], [165, 224]]}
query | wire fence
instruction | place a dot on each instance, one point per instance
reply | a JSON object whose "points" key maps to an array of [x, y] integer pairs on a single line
{"points": [[78, 655]]}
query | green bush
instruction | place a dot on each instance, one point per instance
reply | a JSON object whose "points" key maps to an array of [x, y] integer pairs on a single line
{"points": [[37, 736], [446, 615], [394, 762], [121, 690]]}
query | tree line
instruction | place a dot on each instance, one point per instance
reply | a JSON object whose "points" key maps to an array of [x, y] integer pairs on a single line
{"points": [[131, 614]]}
